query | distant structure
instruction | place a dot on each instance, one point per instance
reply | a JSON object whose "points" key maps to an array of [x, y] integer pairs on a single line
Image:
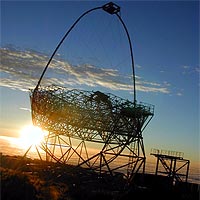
{"points": [[172, 164], [92, 129]]}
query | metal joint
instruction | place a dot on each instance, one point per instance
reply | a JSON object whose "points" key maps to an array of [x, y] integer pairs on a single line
{"points": [[111, 8]]}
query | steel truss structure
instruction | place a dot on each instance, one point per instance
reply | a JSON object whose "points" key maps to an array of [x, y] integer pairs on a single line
{"points": [[92, 129], [173, 164], [78, 121]]}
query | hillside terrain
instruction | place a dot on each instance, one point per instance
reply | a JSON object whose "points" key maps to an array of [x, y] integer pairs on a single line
{"points": [[27, 179]]}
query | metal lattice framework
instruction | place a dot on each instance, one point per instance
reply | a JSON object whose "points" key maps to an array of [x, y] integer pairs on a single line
{"points": [[92, 129], [173, 164], [114, 123]]}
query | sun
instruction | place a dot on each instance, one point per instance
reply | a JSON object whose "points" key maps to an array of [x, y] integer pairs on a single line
{"points": [[31, 135]]}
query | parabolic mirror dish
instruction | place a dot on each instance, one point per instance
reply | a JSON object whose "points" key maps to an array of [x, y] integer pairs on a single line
{"points": [[88, 115]]}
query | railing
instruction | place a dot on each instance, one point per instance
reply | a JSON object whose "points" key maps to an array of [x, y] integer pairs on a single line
{"points": [[167, 153]]}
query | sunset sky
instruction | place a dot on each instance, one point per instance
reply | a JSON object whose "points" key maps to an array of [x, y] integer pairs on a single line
{"points": [[95, 56]]}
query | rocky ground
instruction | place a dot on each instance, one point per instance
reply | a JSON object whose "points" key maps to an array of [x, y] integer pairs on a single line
{"points": [[27, 179]]}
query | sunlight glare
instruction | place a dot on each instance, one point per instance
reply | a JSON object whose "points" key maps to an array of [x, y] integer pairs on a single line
{"points": [[31, 135]]}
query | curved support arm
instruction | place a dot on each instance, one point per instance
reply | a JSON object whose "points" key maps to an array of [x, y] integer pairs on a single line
{"points": [[111, 8], [66, 34], [131, 51]]}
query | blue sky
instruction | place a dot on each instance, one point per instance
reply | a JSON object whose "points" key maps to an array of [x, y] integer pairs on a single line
{"points": [[165, 38]]}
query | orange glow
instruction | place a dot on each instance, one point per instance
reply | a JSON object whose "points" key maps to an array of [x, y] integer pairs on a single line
{"points": [[31, 135]]}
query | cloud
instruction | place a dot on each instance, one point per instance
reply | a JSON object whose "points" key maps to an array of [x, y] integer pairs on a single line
{"points": [[186, 69], [138, 66], [179, 94], [22, 69], [145, 86], [25, 109]]}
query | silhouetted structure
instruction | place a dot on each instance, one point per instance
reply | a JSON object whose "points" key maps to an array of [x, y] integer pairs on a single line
{"points": [[173, 164], [115, 125], [77, 119]]}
